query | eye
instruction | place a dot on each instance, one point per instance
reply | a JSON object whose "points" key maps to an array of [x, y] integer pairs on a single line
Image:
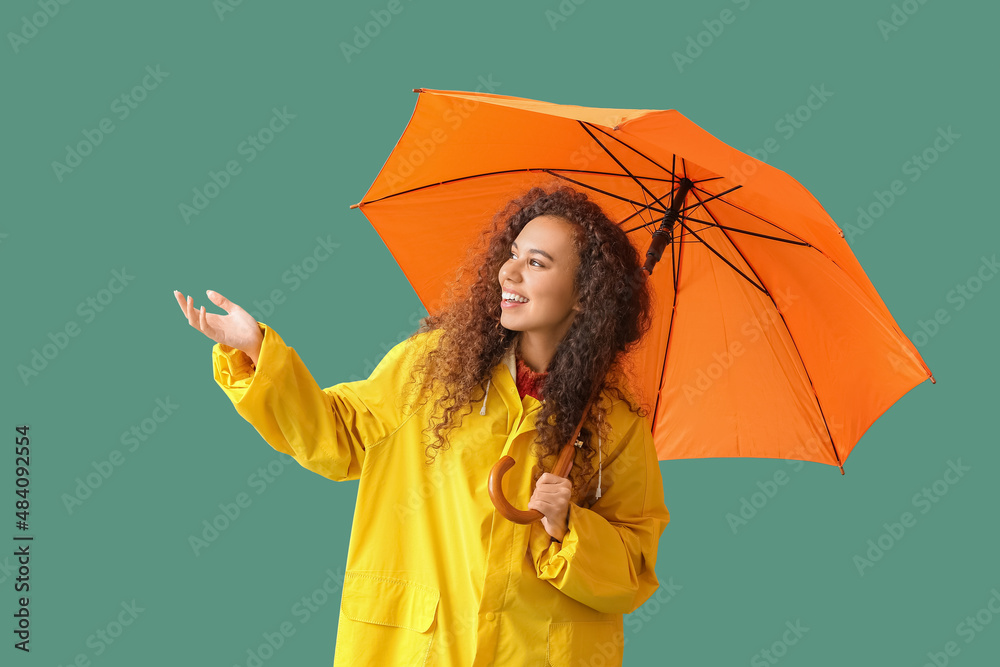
{"points": [[534, 260]]}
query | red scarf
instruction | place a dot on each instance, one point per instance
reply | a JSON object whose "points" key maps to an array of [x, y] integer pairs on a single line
{"points": [[528, 381]]}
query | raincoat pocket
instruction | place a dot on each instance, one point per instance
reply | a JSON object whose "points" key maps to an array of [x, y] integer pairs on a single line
{"points": [[579, 643], [391, 620]]}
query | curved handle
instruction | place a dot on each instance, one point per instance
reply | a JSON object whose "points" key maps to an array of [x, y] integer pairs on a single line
{"points": [[495, 485]]}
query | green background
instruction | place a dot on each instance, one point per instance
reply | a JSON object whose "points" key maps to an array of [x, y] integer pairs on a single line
{"points": [[63, 239]]}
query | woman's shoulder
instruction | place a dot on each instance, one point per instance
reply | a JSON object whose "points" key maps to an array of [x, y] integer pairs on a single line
{"points": [[412, 349], [626, 413], [421, 342]]}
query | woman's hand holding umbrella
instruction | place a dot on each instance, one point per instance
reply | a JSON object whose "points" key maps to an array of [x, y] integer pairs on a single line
{"points": [[551, 498], [238, 329]]}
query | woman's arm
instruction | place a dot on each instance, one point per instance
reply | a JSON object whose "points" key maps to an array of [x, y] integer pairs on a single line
{"points": [[327, 430], [607, 557]]}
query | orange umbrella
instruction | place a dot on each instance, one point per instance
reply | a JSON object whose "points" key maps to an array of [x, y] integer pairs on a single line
{"points": [[769, 339]]}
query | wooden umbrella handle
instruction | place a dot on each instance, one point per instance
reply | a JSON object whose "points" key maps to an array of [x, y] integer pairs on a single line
{"points": [[500, 468], [496, 485]]}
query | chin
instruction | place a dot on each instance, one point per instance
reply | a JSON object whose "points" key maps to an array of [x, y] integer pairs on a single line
{"points": [[505, 325]]}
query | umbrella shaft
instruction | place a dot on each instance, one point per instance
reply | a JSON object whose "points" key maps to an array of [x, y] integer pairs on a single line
{"points": [[662, 235]]}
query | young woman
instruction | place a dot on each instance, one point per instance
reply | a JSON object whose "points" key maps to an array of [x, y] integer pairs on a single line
{"points": [[435, 575]]}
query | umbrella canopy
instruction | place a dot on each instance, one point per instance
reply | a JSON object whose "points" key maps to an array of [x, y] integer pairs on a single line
{"points": [[769, 340]]}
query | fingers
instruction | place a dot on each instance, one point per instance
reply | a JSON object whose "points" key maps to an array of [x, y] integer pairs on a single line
{"points": [[552, 493], [191, 313], [219, 300], [549, 478], [181, 302], [187, 307], [542, 506], [184, 303]]}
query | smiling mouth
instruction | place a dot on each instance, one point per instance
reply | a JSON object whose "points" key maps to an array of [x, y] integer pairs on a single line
{"points": [[511, 303], [517, 299]]}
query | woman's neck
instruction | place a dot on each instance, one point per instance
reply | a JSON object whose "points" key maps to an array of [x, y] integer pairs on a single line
{"points": [[535, 353]]}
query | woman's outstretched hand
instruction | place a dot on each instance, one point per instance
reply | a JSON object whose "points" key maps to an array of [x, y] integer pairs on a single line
{"points": [[237, 329]]}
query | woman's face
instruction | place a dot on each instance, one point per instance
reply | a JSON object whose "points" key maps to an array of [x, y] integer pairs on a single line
{"points": [[542, 268]]}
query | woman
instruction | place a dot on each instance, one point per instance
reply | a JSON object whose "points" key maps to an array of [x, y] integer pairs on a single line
{"points": [[435, 575]]}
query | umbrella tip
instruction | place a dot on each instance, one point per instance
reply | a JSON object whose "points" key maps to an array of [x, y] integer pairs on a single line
{"points": [[418, 90], [841, 468], [933, 381], [354, 205]]}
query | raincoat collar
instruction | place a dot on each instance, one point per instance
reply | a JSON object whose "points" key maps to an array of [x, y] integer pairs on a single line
{"points": [[531, 404], [510, 361]]}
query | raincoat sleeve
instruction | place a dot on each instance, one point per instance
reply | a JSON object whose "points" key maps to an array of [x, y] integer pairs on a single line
{"points": [[607, 557], [327, 430]]}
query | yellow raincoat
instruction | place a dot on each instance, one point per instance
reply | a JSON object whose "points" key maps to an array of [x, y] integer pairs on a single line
{"points": [[434, 574]]}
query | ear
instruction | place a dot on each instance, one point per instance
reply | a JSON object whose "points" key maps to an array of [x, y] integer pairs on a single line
{"points": [[576, 298]]}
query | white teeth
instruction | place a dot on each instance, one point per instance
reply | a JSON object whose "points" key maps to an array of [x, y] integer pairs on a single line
{"points": [[508, 296]]}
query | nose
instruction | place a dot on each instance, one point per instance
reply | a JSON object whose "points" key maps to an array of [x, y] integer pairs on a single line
{"points": [[510, 271]]}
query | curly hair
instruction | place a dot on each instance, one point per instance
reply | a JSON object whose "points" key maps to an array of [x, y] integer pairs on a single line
{"points": [[615, 314]]}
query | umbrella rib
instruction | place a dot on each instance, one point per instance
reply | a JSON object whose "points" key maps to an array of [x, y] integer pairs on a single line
{"points": [[624, 168], [717, 254], [638, 211], [632, 215], [629, 231], [586, 126], [812, 386], [776, 226], [672, 171], [746, 231], [547, 170], [740, 208], [672, 192], [596, 189], [715, 196], [602, 173]]}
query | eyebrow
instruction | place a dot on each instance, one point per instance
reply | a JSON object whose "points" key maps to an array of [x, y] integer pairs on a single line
{"points": [[536, 250]]}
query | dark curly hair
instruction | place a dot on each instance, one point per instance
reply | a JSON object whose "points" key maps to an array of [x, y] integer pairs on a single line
{"points": [[615, 314]]}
